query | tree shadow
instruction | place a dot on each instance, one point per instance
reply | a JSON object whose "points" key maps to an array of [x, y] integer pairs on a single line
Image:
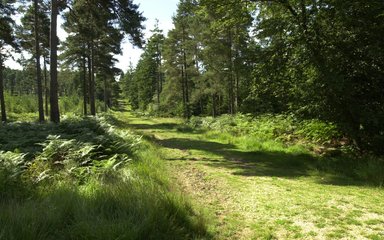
{"points": [[24, 137], [29, 138], [179, 127], [158, 126], [117, 211], [275, 164], [260, 163]]}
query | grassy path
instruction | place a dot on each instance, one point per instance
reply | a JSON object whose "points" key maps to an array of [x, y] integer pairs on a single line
{"points": [[262, 195]]}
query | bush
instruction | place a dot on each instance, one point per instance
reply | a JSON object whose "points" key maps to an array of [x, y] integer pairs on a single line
{"points": [[12, 167], [88, 180]]}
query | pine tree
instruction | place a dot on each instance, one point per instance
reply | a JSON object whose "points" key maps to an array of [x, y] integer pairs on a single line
{"points": [[98, 27], [34, 34], [7, 39]]}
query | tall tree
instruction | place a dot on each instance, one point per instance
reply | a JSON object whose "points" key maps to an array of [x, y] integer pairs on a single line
{"points": [[156, 42], [100, 25], [7, 41], [38, 67], [180, 54], [34, 35], [54, 98]]}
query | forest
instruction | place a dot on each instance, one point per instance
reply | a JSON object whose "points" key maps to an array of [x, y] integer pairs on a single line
{"points": [[252, 119]]}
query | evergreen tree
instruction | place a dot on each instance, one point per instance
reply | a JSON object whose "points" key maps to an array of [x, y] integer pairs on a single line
{"points": [[7, 41], [98, 27], [35, 37]]}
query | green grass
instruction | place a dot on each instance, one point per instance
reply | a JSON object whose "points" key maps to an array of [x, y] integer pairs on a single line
{"points": [[86, 179], [257, 186], [24, 107]]}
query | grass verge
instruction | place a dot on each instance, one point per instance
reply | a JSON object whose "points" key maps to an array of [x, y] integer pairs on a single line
{"points": [[86, 179]]}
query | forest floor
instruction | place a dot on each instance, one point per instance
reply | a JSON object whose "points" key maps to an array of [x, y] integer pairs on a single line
{"points": [[261, 195]]}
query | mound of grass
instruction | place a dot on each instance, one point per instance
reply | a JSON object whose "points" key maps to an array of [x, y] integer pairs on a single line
{"points": [[86, 179], [320, 140]]}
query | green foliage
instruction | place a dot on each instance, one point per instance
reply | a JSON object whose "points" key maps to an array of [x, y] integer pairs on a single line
{"points": [[318, 131], [12, 168], [84, 178], [270, 127], [287, 134], [21, 104]]}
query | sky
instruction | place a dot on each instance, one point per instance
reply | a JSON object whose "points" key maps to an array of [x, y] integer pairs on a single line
{"points": [[163, 10]]}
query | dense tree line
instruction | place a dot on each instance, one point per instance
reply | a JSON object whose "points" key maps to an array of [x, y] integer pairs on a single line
{"points": [[314, 58], [95, 32]]}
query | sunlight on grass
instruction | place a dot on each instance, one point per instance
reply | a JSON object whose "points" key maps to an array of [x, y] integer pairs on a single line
{"points": [[86, 179], [255, 188]]}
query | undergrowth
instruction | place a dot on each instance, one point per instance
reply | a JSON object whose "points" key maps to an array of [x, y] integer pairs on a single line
{"points": [[85, 179], [285, 133], [24, 107]]}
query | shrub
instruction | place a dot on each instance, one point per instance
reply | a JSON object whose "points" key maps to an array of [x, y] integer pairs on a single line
{"points": [[12, 167]]}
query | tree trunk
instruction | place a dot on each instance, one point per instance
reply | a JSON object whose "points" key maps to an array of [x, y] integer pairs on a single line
{"points": [[185, 65], [105, 94], [187, 112], [231, 85], [183, 89], [2, 100], [213, 105], [38, 68], [54, 99], [46, 86], [158, 85], [85, 98], [92, 81]]}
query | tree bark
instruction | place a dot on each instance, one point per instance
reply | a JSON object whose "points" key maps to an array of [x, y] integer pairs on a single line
{"points": [[46, 87], [213, 105], [230, 77], [92, 80], [2, 100], [54, 99], [38, 67], [187, 111], [105, 94], [85, 95]]}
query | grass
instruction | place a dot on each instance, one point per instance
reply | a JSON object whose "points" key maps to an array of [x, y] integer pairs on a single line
{"points": [[24, 107], [254, 187], [86, 179]]}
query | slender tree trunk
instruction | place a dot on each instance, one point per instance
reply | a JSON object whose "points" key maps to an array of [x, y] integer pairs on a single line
{"points": [[187, 112], [105, 94], [13, 82], [54, 99], [46, 86], [231, 85], [236, 103], [183, 89], [38, 67], [185, 65], [236, 77], [92, 81], [85, 95], [213, 105], [158, 86], [2, 100]]}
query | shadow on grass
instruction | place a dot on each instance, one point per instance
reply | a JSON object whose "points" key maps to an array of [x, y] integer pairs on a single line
{"points": [[143, 209], [28, 137], [24, 137], [118, 211], [276, 164], [259, 163], [159, 126]]}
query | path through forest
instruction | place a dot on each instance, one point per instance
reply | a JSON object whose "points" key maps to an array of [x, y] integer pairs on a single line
{"points": [[261, 195]]}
